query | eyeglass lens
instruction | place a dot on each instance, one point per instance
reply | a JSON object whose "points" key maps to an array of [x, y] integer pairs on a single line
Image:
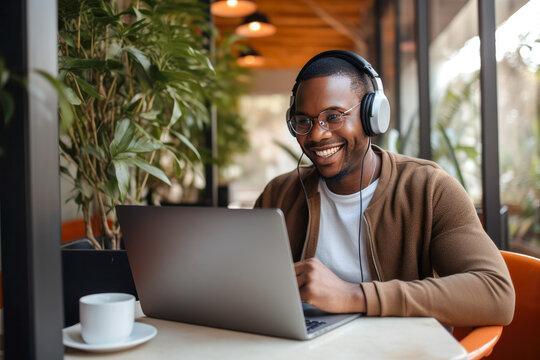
{"points": [[328, 120]]}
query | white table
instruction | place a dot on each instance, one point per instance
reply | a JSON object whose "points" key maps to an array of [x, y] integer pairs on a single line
{"points": [[363, 338]]}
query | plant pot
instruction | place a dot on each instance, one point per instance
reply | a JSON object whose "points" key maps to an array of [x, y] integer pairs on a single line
{"points": [[93, 271]]}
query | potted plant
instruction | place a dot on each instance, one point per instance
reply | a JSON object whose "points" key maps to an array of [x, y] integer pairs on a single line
{"points": [[139, 82]]}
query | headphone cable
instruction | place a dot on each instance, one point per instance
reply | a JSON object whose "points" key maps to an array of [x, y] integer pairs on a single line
{"points": [[361, 203], [305, 194], [301, 181], [361, 214]]}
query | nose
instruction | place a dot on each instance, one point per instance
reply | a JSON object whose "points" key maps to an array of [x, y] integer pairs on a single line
{"points": [[317, 132]]}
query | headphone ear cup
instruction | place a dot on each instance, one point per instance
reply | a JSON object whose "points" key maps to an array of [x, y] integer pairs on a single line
{"points": [[290, 110], [365, 113], [290, 129], [380, 114]]}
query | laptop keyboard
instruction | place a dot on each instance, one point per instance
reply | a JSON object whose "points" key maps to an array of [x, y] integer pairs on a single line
{"points": [[311, 325]]}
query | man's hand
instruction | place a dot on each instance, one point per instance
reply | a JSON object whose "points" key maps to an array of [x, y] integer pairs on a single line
{"points": [[321, 288]]}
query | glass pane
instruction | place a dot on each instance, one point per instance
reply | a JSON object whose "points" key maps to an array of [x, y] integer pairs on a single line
{"points": [[518, 59], [455, 91], [388, 60], [271, 143], [406, 141]]}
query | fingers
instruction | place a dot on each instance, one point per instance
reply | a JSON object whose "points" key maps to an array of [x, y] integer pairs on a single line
{"points": [[299, 267], [302, 280], [305, 294], [306, 270], [305, 274], [307, 265]]}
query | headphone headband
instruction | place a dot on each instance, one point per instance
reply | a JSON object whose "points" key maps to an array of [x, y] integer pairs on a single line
{"points": [[354, 59]]}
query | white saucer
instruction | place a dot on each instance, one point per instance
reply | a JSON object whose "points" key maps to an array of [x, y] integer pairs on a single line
{"points": [[141, 333]]}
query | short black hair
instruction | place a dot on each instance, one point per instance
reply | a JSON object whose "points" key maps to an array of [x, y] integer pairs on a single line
{"points": [[333, 66]]}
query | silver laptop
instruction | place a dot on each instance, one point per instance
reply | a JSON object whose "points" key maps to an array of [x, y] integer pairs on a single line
{"points": [[219, 267]]}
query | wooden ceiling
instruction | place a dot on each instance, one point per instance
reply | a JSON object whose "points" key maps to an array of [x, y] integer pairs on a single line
{"points": [[307, 27]]}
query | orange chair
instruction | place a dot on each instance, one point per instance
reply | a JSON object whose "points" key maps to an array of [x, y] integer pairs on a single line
{"points": [[76, 229], [521, 339], [480, 341], [73, 229]]}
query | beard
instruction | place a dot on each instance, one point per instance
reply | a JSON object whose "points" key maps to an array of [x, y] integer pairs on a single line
{"points": [[338, 177]]}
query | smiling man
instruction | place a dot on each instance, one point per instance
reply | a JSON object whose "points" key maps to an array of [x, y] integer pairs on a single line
{"points": [[372, 231]]}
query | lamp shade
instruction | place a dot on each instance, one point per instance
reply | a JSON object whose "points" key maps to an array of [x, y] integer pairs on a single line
{"points": [[256, 25], [250, 58], [232, 8]]}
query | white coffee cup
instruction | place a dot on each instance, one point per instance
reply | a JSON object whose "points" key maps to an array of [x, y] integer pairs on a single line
{"points": [[107, 317]]}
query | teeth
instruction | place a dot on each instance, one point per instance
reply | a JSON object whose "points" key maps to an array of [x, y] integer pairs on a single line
{"points": [[328, 152]]}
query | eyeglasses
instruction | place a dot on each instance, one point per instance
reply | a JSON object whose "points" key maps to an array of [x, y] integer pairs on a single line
{"points": [[331, 120]]}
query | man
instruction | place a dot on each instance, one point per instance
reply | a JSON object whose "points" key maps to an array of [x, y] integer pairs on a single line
{"points": [[376, 232]]}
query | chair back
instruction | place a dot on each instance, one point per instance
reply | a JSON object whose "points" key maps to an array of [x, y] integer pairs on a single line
{"points": [[478, 341], [521, 338]]}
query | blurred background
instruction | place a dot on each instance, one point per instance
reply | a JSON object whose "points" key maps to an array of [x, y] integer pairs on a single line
{"points": [[257, 69], [182, 102], [385, 33]]}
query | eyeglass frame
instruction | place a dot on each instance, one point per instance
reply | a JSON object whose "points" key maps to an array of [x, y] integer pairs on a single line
{"points": [[322, 123]]}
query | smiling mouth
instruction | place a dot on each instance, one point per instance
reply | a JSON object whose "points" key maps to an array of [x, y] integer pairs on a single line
{"points": [[327, 152]]}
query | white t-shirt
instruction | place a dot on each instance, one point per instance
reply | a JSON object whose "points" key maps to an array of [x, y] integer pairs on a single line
{"points": [[337, 247]]}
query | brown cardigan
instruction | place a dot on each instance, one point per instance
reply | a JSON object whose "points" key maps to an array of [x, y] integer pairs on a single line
{"points": [[428, 253]]}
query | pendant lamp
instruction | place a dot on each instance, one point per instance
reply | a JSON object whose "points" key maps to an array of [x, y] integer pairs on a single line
{"points": [[232, 8], [250, 58], [256, 25]]}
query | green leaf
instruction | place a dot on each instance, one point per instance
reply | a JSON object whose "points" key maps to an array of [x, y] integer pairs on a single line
{"points": [[131, 107], [470, 151], [4, 76], [66, 113], [150, 115], [143, 145], [89, 89], [110, 188], [71, 97], [123, 135], [114, 64], [152, 170], [121, 169], [69, 63], [65, 171], [137, 27], [176, 113], [66, 36], [8, 106], [94, 151], [175, 76], [453, 156], [139, 56], [188, 143], [139, 16], [144, 132], [288, 150]]}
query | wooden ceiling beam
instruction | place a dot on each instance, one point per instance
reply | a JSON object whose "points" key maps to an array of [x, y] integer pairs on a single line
{"points": [[305, 28], [339, 24], [301, 41]]}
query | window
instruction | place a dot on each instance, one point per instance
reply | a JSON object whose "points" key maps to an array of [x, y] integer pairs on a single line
{"points": [[518, 64]]}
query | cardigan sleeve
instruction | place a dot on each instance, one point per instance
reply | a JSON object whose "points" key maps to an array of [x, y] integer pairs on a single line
{"points": [[470, 285]]}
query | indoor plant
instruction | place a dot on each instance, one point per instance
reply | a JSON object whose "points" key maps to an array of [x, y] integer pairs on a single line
{"points": [[139, 83]]}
